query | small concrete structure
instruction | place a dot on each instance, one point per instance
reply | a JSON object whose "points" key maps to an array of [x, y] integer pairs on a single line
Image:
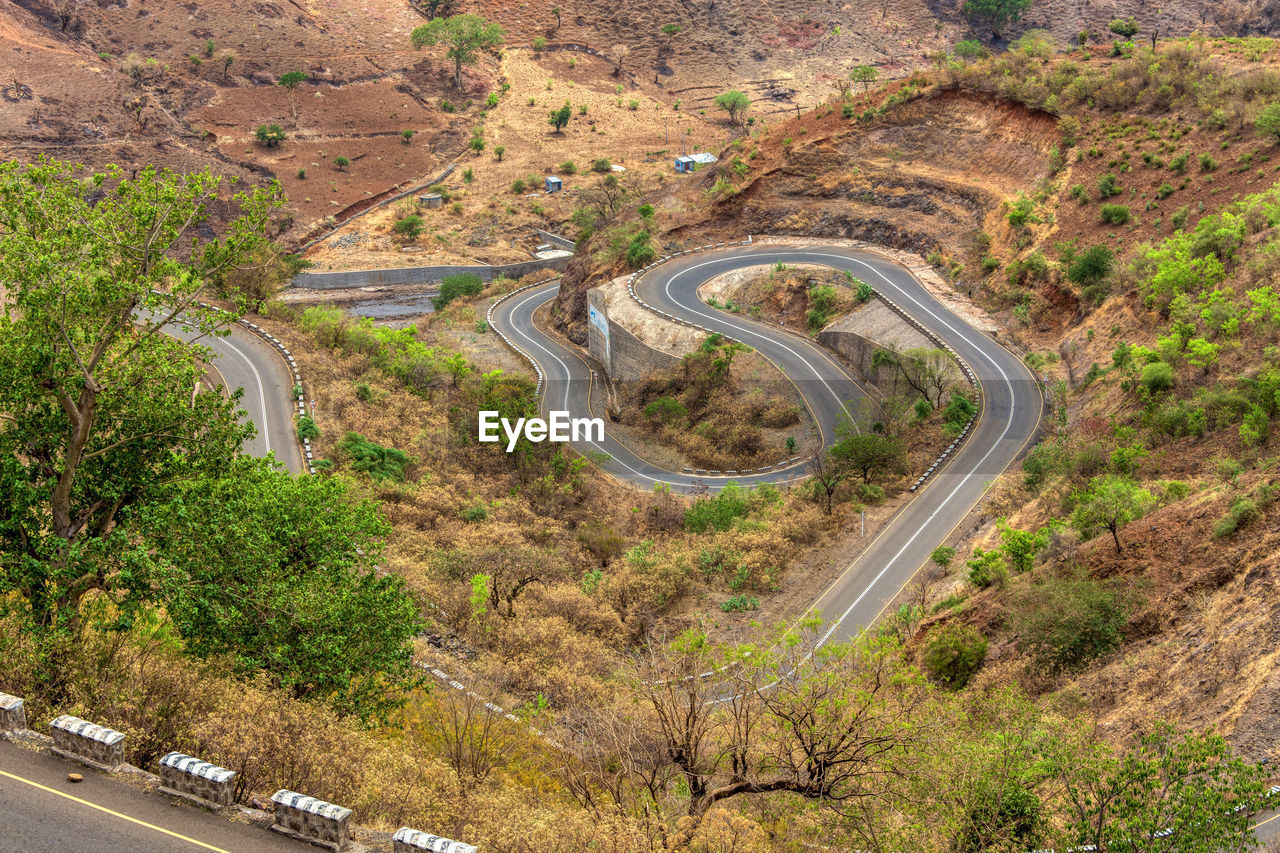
{"points": [[429, 201], [13, 714], [692, 162], [308, 819], [199, 781], [86, 742], [408, 840], [554, 184]]}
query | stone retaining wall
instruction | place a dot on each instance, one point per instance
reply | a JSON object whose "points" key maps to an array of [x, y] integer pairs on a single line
{"points": [[624, 356], [408, 840], [309, 819], [88, 743], [13, 714], [191, 778]]}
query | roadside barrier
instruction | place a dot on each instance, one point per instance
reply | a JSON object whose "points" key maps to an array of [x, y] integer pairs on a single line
{"points": [[311, 820], [13, 714], [88, 743], [408, 840], [198, 781]]}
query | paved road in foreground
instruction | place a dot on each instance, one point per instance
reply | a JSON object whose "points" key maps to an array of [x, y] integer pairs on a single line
{"points": [[1012, 409], [44, 813]]}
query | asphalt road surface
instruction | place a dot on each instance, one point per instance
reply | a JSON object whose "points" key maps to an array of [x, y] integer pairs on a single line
{"points": [[1012, 408], [44, 813], [244, 360]]}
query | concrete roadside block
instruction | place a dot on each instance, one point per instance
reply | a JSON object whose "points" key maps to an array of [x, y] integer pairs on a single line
{"points": [[311, 820], [197, 781], [88, 743], [408, 840], [13, 714]]}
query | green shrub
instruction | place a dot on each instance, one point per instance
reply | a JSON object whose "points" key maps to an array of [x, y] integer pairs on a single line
{"points": [[363, 392], [1064, 622], [1207, 163], [380, 463], [307, 428], [453, 286], [640, 251], [601, 165], [1164, 191], [739, 603], [1114, 214], [718, 512], [568, 167], [666, 409], [1107, 186], [1179, 218], [1243, 510], [408, 226], [871, 493], [474, 514], [1178, 165], [953, 654], [270, 135], [1156, 377], [987, 568]]}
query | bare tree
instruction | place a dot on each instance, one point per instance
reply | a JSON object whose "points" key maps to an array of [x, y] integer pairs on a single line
{"points": [[617, 54], [828, 473], [474, 740]]}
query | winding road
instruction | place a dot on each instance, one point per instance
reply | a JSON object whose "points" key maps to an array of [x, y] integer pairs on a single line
{"points": [[1013, 405], [244, 360]]}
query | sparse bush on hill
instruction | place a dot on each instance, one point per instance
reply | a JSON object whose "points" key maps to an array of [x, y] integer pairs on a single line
{"points": [[1063, 622], [1114, 214], [270, 135], [953, 654], [453, 286]]}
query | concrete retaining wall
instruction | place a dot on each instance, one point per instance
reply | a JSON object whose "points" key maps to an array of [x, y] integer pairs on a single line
{"points": [[556, 240], [626, 357], [13, 714], [192, 779], [421, 275], [312, 820], [83, 741]]}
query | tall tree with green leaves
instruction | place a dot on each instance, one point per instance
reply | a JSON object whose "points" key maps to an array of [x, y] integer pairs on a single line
{"points": [[464, 37], [1175, 791], [1109, 503], [278, 572], [100, 410], [735, 103], [560, 118], [291, 80], [864, 74]]}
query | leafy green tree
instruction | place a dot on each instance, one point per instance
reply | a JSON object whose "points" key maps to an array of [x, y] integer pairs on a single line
{"points": [[101, 410], [291, 80], [408, 226], [1268, 122], [560, 118], [464, 37], [1022, 547], [997, 13], [869, 454], [1092, 265], [270, 135], [341, 163], [987, 568], [864, 74], [970, 50], [1109, 503], [942, 556], [369, 457], [735, 103], [1124, 27], [278, 572], [1173, 792]]}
